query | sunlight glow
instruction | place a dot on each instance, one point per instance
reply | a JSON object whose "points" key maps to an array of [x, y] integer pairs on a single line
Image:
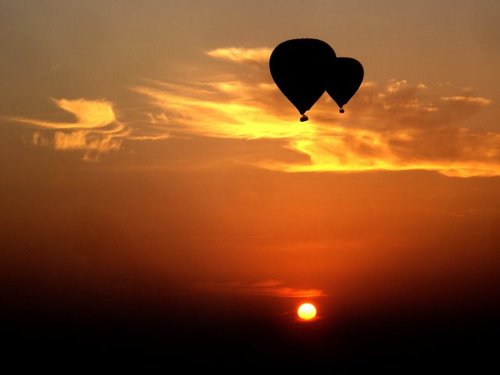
{"points": [[392, 128], [241, 54], [306, 311], [227, 119]]}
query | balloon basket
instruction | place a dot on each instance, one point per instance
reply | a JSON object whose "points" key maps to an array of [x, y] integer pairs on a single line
{"points": [[341, 110], [304, 118]]}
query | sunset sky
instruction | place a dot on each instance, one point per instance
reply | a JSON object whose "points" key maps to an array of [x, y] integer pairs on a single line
{"points": [[148, 159]]}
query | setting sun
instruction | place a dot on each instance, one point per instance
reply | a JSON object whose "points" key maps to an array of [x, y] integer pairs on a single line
{"points": [[306, 311]]}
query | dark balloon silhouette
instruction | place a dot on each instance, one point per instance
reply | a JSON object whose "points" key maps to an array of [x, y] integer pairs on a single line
{"points": [[345, 79], [300, 68]]}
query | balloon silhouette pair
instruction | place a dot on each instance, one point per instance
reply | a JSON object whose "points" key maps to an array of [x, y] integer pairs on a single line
{"points": [[303, 69]]}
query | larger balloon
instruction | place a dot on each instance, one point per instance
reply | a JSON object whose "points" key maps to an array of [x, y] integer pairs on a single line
{"points": [[300, 68], [345, 79]]}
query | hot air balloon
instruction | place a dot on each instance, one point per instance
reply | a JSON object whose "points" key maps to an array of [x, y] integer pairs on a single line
{"points": [[300, 68], [345, 79]]}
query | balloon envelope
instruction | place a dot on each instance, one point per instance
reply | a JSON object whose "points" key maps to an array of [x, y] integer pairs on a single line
{"points": [[345, 79], [300, 68]]}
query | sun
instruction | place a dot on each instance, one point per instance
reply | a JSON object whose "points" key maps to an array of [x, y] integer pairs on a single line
{"points": [[306, 311]]}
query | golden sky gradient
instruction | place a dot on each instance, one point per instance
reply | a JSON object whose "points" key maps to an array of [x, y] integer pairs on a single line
{"points": [[147, 141]]}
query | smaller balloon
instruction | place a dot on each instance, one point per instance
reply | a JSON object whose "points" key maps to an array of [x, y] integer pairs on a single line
{"points": [[344, 80]]}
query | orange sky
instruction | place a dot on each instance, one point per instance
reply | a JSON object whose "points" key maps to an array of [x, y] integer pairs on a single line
{"points": [[145, 143]]}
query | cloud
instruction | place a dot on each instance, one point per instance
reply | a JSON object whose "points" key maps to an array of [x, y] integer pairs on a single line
{"points": [[236, 54], [89, 114], [93, 144], [219, 112], [265, 288], [95, 129], [476, 100], [399, 104], [397, 125]]}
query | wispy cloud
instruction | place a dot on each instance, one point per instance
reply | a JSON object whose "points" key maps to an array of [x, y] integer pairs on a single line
{"points": [[95, 129], [265, 288], [397, 125], [477, 100], [217, 111], [242, 54], [89, 114]]}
